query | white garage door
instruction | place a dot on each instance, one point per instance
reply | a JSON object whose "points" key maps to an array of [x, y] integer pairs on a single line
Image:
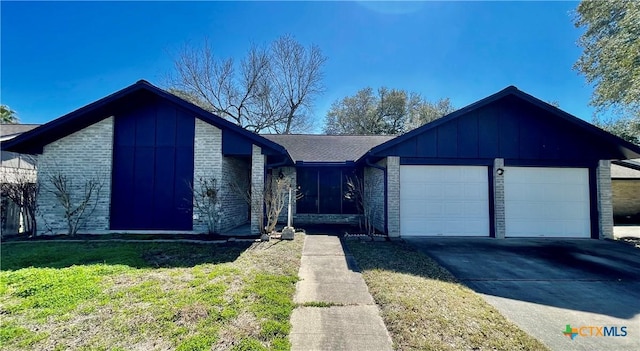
{"points": [[444, 200], [547, 202]]}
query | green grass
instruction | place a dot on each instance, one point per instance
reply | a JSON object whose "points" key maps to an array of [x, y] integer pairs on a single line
{"points": [[425, 308], [121, 296]]}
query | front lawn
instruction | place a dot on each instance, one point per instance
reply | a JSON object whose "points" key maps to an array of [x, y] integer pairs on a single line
{"points": [[147, 296], [426, 308]]}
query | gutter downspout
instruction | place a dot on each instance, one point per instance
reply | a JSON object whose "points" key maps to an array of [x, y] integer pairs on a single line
{"points": [[384, 175]]}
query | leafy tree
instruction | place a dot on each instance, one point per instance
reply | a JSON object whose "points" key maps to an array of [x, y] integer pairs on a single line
{"points": [[423, 111], [628, 128], [270, 89], [611, 56], [383, 112], [8, 115]]}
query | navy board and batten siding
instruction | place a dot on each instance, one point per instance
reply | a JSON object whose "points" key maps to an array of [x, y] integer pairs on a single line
{"points": [[523, 135], [153, 169], [518, 128]]}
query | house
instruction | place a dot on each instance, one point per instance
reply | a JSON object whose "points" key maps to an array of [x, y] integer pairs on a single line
{"points": [[625, 183], [14, 168], [509, 165]]}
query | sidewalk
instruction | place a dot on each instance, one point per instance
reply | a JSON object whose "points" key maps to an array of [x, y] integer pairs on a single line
{"points": [[329, 276]]}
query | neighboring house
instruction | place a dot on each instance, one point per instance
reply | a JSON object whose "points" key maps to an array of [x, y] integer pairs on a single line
{"points": [[625, 181], [14, 167], [509, 165]]}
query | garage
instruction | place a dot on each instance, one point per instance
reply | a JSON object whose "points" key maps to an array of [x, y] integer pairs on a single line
{"points": [[547, 202], [444, 201], [509, 165]]}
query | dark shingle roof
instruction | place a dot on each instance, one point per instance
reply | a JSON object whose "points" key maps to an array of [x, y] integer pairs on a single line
{"points": [[141, 92], [327, 148], [15, 129]]}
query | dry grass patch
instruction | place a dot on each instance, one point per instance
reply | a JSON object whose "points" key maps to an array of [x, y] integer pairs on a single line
{"points": [[147, 296], [426, 308]]}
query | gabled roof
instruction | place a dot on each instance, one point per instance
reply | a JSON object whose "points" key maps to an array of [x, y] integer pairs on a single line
{"points": [[33, 141], [627, 169], [628, 149], [9, 130], [327, 148]]}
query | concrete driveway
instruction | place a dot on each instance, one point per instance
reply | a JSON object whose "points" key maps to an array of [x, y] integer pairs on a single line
{"points": [[545, 285]]}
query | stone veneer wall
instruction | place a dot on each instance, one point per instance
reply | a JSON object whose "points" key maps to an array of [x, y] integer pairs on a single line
{"points": [[81, 155]]}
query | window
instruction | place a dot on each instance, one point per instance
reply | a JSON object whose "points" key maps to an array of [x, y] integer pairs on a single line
{"points": [[323, 190]]}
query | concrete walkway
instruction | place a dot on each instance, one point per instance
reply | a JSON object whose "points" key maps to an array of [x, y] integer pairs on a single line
{"points": [[329, 276]]}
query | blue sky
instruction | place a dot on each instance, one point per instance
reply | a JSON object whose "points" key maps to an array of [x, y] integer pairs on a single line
{"points": [[59, 56]]}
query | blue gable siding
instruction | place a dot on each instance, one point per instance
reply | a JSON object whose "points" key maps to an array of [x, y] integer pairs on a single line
{"points": [[152, 168], [519, 132]]}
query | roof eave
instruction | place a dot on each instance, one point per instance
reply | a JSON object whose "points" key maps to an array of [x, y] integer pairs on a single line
{"points": [[628, 149], [34, 140]]}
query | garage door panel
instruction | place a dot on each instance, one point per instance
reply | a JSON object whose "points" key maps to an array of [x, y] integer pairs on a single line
{"points": [[453, 191], [454, 201], [547, 202], [433, 190], [475, 210], [474, 192], [453, 209]]}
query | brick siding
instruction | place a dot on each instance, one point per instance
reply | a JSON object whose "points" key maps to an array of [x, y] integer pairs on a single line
{"points": [[313, 218], [498, 200], [85, 153], [626, 197], [257, 189], [207, 164], [374, 194], [605, 207], [288, 172], [235, 208], [393, 196]]}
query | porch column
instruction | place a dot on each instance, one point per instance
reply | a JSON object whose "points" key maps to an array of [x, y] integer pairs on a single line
{"points": [[605, 205], [393, 196], [498, 198], [257, 189]]}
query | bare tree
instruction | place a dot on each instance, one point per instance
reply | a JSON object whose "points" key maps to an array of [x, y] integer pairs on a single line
{"points": [[361, 193], [206, 200], [269, 90], [275, 197], [78, 200], [20, 188]]}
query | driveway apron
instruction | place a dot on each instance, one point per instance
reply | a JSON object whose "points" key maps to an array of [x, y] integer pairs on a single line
{"points": [[543, 285], [350, 320]]}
